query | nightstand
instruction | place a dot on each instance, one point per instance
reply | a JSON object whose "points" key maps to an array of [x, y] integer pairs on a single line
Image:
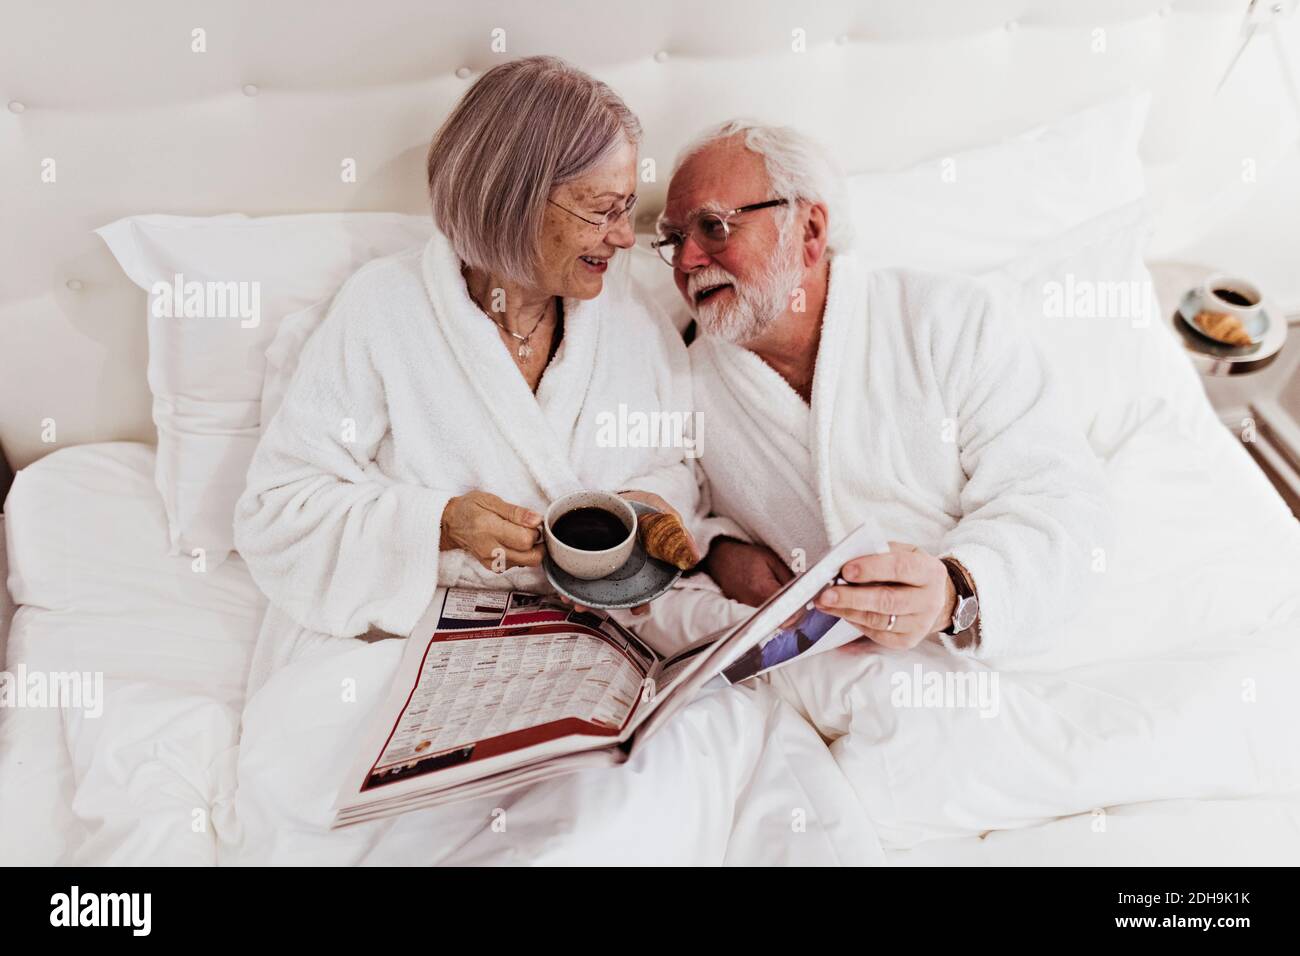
{"points": [[1256, 394]]}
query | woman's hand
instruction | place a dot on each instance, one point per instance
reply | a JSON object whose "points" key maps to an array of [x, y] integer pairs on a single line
{"points": [[500, 535], [748, 573]]}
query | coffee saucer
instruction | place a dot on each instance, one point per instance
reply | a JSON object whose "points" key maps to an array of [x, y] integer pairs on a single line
{"points": [[641, 578], [1256, 326]]}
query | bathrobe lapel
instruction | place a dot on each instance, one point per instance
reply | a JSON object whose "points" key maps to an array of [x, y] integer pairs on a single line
{"points": [[836, 411], [806, 439], [758, 393], [564, 389], [530, 430]]}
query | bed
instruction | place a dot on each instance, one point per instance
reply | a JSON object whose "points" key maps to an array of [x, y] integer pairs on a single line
{"points": [[1160, 730], [173, 644]]}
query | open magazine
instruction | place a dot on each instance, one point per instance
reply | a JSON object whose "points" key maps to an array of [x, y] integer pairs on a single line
{"points": [[497, 689]]}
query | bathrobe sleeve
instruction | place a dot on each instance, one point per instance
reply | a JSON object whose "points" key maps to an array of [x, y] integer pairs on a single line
{"points": [[331, 541], [1034, 509]]}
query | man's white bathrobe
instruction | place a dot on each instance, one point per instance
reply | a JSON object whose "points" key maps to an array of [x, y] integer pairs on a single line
{"points": [[403, 398], [931, 415]]}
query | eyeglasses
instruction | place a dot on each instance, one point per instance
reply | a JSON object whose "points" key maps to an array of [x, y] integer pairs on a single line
{"points": [[606, 222], [709, 229]]}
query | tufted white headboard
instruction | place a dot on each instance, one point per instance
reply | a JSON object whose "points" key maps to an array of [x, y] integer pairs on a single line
{"points": [[117, 103]]}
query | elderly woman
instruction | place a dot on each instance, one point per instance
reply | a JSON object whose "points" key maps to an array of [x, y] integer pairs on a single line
{"points": [[453, 391], [450, 394]]}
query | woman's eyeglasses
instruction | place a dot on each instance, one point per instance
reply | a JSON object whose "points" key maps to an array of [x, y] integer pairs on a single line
{"points": [[606, 222], [710, 231]]}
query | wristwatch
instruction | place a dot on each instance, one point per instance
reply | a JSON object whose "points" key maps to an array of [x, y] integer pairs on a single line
{"points": [[966, 612]]}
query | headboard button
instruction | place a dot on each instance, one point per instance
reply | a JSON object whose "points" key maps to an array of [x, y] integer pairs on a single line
{"points": [[74, 285], [1012, 26], [16, 107], [463, 72], [250, 90], [661, 56]]}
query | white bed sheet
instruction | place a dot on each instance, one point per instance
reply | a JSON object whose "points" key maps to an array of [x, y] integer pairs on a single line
{"points": [[1260, 831]]}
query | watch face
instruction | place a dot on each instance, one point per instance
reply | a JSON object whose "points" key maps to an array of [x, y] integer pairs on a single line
{"points": [[964, 616]]}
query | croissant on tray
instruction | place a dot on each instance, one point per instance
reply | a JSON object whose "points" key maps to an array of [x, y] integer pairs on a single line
{"points": [[1224, 327], [664, 537]]}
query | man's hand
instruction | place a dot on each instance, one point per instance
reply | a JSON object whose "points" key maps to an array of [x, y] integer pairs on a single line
{"points": [[907, 583], [748, 573]]}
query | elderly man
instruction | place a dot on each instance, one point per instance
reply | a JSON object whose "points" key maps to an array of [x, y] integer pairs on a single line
{"points": [[833, 393]]}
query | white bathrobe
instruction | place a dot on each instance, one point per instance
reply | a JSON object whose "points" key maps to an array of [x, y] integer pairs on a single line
{"points": [[404, 397], [932, 415]]}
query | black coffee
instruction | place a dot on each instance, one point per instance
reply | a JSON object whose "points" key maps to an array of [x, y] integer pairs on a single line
{"points": [[1234, 297], [590, 529]]}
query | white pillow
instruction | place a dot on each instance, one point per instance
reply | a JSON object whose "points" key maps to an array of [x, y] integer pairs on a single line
{"points": [[1089, 301], [207, 359], [979, 209], [1051, 217], [1000, 204]]}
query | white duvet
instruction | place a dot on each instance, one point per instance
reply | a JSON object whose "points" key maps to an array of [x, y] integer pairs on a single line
{"points": [[166, 776], [1161, 731], [738, 777]]}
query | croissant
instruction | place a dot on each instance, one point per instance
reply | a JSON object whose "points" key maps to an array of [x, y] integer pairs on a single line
{"points": [[1224, 327], [664, 537]]}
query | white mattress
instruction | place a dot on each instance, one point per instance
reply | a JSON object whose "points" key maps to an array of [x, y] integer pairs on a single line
{"points": [[154, 779]]}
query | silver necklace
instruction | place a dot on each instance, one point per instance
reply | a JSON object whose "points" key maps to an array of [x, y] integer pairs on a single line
{"points": [[524, 351]]}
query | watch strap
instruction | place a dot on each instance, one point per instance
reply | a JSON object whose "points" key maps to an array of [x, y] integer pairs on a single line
{"points": [[964, 585]]}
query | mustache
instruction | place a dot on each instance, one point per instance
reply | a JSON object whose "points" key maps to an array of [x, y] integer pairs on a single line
{"points": [[709, 276]]}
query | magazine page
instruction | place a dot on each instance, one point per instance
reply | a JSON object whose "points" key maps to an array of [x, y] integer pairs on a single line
{"points": [[735, 649], [810, 631], [493, 679]]}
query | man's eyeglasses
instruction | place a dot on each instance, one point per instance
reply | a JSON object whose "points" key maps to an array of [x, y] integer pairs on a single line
{"points": [[607, 221], [709, 229]]}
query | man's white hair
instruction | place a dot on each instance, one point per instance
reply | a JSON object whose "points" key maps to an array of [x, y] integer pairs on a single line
{"points": [[797, 165]]}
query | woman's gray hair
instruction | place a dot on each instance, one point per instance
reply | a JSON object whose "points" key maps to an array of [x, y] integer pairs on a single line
{"points": [[797, 165], [522, 129]]}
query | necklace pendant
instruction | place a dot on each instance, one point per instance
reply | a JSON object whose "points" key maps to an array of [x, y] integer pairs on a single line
{"points": [[525, 351]]}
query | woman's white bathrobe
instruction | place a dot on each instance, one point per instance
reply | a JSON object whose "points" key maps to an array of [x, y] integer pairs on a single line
{"points": [[932, 415], [404, 397]]}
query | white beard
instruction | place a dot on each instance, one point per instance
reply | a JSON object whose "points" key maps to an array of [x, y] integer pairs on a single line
{"points": [[754, 306]]}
